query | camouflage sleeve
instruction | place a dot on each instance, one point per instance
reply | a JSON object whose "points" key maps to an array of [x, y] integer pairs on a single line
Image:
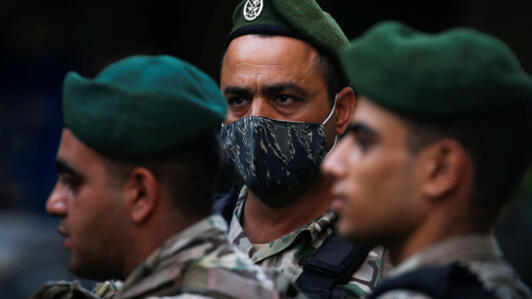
{"points": [[403, 294], [182, 296], [107, 289], [370, 274], [63, 290], [222, 283]]}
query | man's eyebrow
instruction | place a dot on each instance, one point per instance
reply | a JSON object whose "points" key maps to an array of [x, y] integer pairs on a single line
{"points": [[284, 87], [62, 166], [359, 128], [236, 90]]}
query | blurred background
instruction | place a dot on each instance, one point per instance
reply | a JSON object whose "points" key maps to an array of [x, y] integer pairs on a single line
{"points": [[42, 40]]}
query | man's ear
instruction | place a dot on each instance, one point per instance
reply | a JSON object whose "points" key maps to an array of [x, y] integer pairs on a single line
{"points": [[446, 162], [141, 192], [345, 104]]}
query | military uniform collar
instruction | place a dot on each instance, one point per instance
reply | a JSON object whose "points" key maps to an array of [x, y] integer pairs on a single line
{"points": [[203, 228], [463, 249], [314, 230]]}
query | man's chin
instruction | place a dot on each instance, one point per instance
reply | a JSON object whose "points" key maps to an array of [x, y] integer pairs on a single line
{"points": [[344, 230], [77, 269], [89, 272]]}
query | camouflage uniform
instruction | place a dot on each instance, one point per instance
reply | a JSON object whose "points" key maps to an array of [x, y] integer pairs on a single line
{"points": [[289, 253], [198, 263], [479, 253]]}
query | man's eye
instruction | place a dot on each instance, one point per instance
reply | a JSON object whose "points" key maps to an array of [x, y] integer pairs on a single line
{"points": [[236, 101], [285, 99], [69, 181], [363, 142]]}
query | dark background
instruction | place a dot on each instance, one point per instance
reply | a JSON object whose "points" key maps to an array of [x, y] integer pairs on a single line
{"points": [[41, 40]]}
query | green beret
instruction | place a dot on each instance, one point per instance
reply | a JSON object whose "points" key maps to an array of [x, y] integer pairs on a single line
{"points": [[142, 106], [460, 73], [302, 19]]}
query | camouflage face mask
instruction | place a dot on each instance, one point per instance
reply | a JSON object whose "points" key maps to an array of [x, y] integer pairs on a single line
{"points": [[270, 155]]}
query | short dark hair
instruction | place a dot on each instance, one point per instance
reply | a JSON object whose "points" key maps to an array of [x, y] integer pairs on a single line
{"points": [[333, 76], [190, 174], [500, 147]]}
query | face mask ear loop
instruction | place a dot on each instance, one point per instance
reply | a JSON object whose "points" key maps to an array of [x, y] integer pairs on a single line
{"points": [[326, 120], [334, 145], [332, 111]]}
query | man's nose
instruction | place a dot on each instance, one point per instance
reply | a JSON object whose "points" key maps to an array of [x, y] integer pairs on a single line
{"points": [[261, 107], [334, 164], [56, 203]]}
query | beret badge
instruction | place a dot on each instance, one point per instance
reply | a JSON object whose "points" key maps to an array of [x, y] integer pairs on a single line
{"points": [[252, 9]]}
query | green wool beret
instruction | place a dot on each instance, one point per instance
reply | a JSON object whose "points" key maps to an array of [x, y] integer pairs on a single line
{"points": [[142, 106], [302, 19], [460, 73]]}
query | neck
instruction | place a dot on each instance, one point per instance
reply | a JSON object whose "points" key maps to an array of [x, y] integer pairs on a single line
{"points": [[265, 223], [137, 256], [150, 236], [443, 223]]}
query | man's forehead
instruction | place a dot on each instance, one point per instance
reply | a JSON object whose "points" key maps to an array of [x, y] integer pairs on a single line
{"points": [[376, 117], [72, 148], [252, 59], [269, 50], [68, 140]]}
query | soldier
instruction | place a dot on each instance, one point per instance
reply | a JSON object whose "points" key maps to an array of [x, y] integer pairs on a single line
{"points": [[288, 103], [137, 164], [439, 140]]}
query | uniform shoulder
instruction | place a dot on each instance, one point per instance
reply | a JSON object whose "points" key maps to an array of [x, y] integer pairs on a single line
{"points": [[500, 277], [402, 294], [235, 283], [226, 256], [183, 296]]}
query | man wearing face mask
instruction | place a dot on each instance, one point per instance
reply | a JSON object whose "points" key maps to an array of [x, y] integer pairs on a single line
{"points": [[288, 103], [135, 183]]}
